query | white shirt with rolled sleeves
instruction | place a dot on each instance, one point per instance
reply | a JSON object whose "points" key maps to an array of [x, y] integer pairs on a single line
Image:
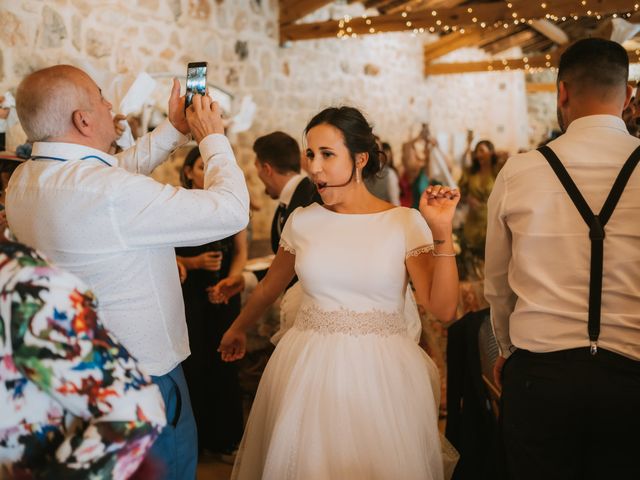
{"points": [[538, 249], [116, 228]]}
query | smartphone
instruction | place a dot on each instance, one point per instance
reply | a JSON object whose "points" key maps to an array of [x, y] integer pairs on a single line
{"points": [[196, 80]]}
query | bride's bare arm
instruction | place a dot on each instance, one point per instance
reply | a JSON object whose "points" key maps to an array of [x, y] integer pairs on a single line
{"points": [[234, 341], [435, 275], [435, 280], [279, 275]]}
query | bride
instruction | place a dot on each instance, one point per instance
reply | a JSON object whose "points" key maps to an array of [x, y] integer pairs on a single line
{"points": [[346, 394]]}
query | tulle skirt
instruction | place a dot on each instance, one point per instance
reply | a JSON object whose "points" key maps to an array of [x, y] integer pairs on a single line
{"points": [[341, 406]]}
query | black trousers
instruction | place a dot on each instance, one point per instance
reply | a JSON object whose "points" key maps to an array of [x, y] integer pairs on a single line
{"points": [[570, 415]]}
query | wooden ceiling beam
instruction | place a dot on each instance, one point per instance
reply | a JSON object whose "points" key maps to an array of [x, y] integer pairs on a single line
{"points": [[515, 40], [418, 5], [538, 61], [474, 36], [460, 16], [292, 10]]}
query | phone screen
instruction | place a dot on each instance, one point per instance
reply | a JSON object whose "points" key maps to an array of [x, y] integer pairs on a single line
{"points": [[196, 80]]}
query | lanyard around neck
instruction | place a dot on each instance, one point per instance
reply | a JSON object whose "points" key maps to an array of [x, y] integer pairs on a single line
{"points": [[58, 159]]}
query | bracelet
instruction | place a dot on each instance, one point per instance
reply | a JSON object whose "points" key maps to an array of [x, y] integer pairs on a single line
{"points": [[435, 254]]}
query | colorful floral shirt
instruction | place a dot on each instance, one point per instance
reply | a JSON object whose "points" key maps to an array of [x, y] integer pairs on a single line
{"points": [[73, 403]]}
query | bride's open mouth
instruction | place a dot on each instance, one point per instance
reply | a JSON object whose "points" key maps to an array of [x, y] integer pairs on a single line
{"points": [[321, 186]]}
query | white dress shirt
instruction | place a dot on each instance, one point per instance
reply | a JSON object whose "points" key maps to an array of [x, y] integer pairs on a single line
{"points": [[538, 249], [105, 220], [289, 189]]}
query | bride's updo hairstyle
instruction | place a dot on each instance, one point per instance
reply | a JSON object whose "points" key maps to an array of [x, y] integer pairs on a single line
{"points": [[357, 133]]}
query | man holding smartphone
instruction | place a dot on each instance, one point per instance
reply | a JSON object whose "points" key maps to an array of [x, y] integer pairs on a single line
{"points": [[104, 219]]}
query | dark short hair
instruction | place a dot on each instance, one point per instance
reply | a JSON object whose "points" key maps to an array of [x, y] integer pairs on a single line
{"points": [[189, 161], [358, 134], [595, 63], [279, 150]]}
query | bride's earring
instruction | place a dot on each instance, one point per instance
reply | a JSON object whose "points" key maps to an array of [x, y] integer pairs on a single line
{"points": [[358, 176]]}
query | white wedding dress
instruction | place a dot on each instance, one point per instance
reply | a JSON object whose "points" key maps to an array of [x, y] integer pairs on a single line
{"points": [[347, 393]]}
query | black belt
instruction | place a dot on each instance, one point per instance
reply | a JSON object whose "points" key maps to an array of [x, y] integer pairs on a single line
{"points": [[583, 353]]}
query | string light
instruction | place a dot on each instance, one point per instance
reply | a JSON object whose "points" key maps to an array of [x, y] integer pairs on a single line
{"points": [[368, 24]]}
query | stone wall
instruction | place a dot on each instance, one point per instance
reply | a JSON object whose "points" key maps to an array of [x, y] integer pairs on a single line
{"points": [[382, 74]]}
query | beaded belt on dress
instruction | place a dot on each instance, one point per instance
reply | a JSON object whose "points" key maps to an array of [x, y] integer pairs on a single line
{"points": [[350, 322]]}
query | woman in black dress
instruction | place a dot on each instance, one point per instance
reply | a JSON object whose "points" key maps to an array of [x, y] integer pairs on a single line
{"points": [[213, 384]]}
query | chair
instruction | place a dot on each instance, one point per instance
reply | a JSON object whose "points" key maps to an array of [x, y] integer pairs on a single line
{"points": [[472, 425], [488, 350]]}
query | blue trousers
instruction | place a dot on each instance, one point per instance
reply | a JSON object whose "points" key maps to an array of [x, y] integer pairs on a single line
{"points": [[177, 445]]}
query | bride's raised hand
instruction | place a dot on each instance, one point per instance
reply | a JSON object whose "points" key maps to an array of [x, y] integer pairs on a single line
{"points": [[233, 345], [438, 204]]}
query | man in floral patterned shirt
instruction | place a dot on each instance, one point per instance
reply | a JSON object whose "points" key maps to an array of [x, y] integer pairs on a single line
{"points": [[73, 402]]}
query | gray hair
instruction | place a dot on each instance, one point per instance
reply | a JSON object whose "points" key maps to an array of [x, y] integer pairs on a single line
{"points": [[46, 100]]}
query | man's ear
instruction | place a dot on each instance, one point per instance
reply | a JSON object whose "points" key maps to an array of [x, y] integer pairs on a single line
{"points": [[82, 122], [629, 96], [563, 93], [268, 169]]}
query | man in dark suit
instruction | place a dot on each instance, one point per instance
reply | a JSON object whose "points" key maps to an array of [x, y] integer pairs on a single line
{"points": [[278, 164]]}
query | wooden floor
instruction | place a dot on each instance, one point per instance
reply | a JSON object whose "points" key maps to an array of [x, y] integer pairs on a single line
{"points": [[213, 470]]}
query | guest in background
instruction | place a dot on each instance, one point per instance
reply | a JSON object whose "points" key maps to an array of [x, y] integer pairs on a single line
{"points": [[277, 161], [422, 177], [7, 167], [475, 187], [412, 162], [384, 184], [74, 402], [393, 177], [4, 114], [213, 384]]}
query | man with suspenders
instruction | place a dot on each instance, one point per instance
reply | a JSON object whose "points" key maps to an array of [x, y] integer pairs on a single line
{"points": [[563, 281]]}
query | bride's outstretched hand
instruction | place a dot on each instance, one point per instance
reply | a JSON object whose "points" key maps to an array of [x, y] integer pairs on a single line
{"points": [[438, 204], [233, 345]]}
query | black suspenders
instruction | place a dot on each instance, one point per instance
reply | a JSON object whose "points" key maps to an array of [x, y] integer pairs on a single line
{"points": [[596, 224]]}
